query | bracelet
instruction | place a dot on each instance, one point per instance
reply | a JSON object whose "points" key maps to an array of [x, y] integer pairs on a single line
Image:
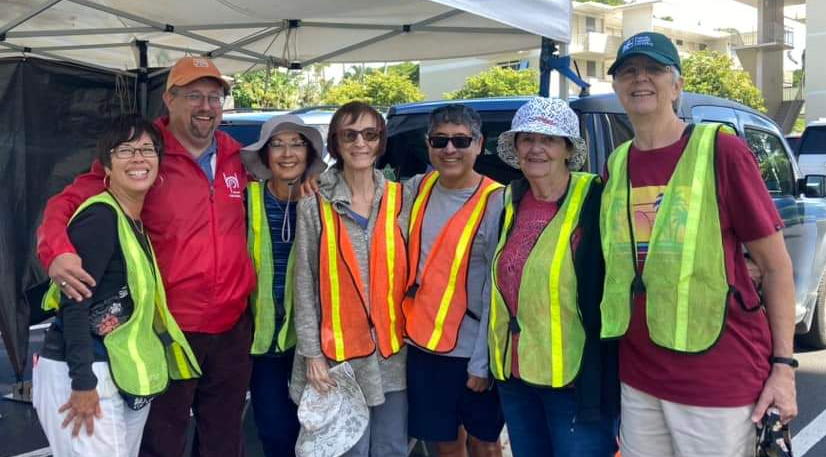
{"points": [[792, 362]]}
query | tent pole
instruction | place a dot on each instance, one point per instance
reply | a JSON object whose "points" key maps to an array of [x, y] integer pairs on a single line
{"points": [[143, 79], [545, 56]]}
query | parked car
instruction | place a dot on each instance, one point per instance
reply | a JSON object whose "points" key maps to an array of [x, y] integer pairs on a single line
{"points": [[811, 152], [605, 126], [246, 127]]}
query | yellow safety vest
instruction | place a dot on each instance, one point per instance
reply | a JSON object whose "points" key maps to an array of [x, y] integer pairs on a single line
{"points": [[266, 337], [148, 349], [684, 279], [551, 333]]}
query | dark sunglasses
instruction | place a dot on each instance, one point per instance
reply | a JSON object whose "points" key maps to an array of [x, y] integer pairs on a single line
{"points": [[350, 135], [459, 142]]}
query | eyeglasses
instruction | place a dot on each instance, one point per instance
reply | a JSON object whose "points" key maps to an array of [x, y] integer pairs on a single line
{"points": [[279, 148], [630, 71], [127, 152], [197, 99], [350, 135], [459, 142]]}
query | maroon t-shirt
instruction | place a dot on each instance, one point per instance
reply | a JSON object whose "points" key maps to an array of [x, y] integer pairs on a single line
{"points": [[732, 372]]}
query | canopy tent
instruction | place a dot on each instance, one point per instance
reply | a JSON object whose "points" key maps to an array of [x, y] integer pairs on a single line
{"points": [[287, 33], [122, 48]]}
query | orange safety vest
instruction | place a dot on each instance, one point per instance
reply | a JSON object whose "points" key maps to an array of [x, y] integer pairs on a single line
{"points": [[347, 324], [434, 309]]}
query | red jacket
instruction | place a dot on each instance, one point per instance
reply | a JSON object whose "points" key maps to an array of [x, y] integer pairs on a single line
{"points": [[199, 234]]}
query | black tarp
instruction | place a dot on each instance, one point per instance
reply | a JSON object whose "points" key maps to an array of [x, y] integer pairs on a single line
{"points": [[51, 114]]}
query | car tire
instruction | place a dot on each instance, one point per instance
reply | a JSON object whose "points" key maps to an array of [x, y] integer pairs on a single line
{"points": [[816, 336]]}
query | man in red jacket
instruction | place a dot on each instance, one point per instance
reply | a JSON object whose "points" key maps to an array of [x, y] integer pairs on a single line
{"points": [[195, 217]]}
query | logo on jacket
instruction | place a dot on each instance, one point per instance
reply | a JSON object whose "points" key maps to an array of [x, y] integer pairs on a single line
{"points": [[233, 185]]}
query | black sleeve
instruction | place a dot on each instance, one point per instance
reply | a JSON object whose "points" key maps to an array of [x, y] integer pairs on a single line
{"points": [[93, 233], [597, 385], [589, 263]]}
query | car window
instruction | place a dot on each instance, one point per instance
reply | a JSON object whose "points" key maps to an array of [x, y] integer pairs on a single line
{"points": [[813, 141], [620, 129], [775, 165], [243, 133], [719, 114]]}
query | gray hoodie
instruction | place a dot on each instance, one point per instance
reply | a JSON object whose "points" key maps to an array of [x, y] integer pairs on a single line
{"points": [[375, 374]]}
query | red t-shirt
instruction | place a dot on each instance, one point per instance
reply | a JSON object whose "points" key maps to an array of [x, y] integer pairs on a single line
{"points": [[732, 372]]}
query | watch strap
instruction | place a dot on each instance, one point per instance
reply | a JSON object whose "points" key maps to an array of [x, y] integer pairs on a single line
{"points": [[790, 361]]}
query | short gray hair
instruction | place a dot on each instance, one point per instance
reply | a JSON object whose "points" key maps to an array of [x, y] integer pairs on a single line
{"points": [[456, 113], [675, 72]]}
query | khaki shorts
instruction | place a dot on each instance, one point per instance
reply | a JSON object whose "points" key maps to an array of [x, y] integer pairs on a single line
{"points": [[650, 427]]}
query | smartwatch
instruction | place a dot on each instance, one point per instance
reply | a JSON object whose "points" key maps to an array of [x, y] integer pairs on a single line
{"points": [[792, 362]]}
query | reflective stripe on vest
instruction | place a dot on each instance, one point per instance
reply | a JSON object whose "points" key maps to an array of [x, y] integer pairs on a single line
{"points": [[551, 334], [267, 337], [684, 278], [148, 349], [346, 325], [434, 309]]}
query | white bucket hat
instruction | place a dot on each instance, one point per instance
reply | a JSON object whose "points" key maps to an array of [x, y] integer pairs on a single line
{"points": [[548, 116], [332, 423], [274, 125]]}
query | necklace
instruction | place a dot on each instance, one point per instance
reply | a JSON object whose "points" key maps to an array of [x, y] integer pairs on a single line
{"points": [[286, 225]]}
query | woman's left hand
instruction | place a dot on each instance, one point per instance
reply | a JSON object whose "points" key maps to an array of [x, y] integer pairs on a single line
{"points": [[81, 409], [309, 186]]}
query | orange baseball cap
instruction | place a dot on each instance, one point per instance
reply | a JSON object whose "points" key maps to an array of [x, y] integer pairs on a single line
{"points": [[188, 69]]}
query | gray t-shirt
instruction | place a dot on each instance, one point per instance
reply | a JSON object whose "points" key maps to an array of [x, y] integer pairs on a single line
{"points": [[442, 205]]}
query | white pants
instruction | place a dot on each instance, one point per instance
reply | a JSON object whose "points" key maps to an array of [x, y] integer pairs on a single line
{"points": [[651, 427], [116, 434]]}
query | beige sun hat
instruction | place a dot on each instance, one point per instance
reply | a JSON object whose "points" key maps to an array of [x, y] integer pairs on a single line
{"points": [[332, 423], [273, 126], [548, 116]]}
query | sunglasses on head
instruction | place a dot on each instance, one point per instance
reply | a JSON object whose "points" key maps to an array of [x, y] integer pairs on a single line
{"points": [[459, 142], [350, 135]]}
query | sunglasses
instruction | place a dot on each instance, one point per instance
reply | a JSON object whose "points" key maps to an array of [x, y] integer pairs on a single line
{"points": [[459, 142], [368, 134]]}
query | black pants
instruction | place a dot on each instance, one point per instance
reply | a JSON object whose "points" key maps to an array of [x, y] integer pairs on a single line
{"points": [[216, 398]]}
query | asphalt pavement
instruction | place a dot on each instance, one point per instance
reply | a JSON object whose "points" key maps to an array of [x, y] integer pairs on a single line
{"points": [[21, 436]]}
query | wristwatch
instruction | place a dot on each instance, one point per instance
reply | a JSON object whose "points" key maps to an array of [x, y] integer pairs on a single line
{"points": [[792, 362]]}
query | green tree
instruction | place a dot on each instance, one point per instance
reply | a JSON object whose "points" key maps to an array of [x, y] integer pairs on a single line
{"points": [[497, 81], [610, 2], [279, 88], [409, 70], [713, 73], [375, 88], [266, 89], [797, 78]]}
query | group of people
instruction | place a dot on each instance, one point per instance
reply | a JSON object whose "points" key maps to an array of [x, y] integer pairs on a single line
{"points": [[187, 269]]}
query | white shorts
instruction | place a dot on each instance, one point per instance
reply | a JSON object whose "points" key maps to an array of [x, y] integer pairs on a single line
{"points": [[116, 434], [651, 427]]}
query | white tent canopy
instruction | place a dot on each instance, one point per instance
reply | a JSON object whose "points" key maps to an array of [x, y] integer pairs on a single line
{"points": [[241, 33]]}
